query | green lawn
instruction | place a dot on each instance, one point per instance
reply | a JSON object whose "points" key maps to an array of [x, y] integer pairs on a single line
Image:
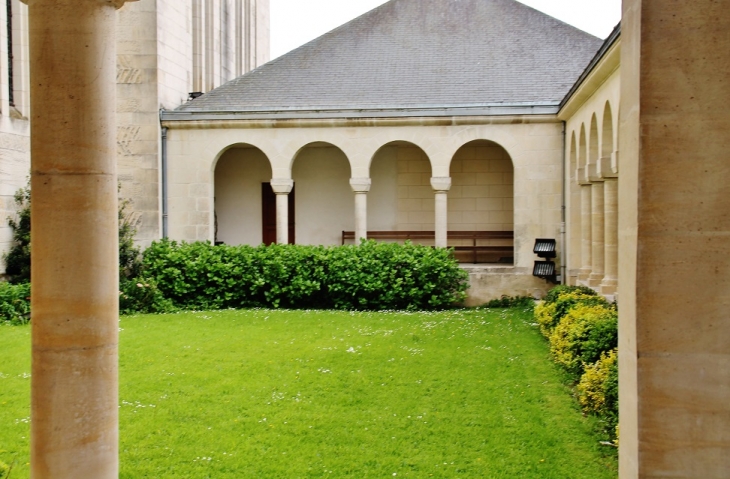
{"points": [[289, 394]]}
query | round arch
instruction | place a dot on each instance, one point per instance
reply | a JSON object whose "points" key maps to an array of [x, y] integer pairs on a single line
{"points": [[481, 197], [240, 172], [593, 144], [401, 197], [324, 202]]}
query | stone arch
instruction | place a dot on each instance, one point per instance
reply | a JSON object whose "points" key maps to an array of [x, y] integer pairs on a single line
{"points": [[574, 209], [481, 197], [582, 148], [401, 197], [238, 174], [324, 201], [593, 144], [607, 131]]}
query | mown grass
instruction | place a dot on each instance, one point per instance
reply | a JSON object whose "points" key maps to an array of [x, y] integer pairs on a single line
{"points": [[289, 394]]}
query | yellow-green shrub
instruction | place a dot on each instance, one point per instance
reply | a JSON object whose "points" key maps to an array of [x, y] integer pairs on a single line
{"points": [[598, 390], [582, 335], [556, 306], [545, 317]]}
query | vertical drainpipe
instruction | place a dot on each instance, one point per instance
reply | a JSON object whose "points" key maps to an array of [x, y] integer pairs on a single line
{"points": [[563, 252], [163, 166]]}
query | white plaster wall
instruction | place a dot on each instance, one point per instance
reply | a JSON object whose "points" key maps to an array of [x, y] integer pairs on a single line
{"points": [[325, 203], [238, 177], [383, 195]]}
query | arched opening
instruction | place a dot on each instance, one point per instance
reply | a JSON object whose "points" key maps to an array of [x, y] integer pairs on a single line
{"points": [[582, 149], [401, 197], [239, 175], [481, 198], [607, 132], [574, 205], [593, 143], [325, 203]]}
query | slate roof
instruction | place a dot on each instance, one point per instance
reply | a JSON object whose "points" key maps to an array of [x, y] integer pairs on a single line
{"points": [[418, 54]]}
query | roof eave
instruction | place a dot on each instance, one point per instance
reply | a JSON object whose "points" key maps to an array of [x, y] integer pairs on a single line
{"points": [[438, 111]]}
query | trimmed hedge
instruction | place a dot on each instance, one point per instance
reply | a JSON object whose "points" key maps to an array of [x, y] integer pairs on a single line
{"points": [[371, 276], [582, 329], [14, 303]]}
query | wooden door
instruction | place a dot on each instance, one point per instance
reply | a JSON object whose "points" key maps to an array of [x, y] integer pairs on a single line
{"points": [[268, 214]]}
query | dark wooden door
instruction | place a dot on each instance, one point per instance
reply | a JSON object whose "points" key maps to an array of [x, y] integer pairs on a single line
{"points": [[268, 214]]}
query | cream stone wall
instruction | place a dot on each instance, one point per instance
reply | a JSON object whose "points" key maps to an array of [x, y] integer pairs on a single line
{"points": [[535, 149], [481, 197], [592, 158], [157, 69], [14, 125], [155, 66]]}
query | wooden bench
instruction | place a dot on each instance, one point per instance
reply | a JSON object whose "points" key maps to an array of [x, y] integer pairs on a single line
{"points": [[465, 243]]}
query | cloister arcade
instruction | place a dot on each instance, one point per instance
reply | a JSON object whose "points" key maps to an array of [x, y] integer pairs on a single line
{"points": [[401, 196], [592, 175], [245, 184]]}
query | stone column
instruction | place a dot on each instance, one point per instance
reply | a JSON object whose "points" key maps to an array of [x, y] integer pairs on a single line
{"points": [[361, 187], [674, 240], [441, 187], [610, 195], [282, 187], [597, 233], [74, 386], [586, 244]]}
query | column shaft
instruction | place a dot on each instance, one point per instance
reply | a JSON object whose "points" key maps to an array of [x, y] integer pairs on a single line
{"points": [[282, 218], [74, 386], [610, 195], [282, 187], [586, 227], [597, 235], [361, 187], [361, 216], [441, 220], [441, 186], [674, 366]]}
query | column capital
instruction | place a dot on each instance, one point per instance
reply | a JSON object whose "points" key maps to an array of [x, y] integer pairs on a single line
{"points": [[282, 186], [115, 3], [360, 185], [581, 176], [441, 183], [593, 173], [605, 168]]}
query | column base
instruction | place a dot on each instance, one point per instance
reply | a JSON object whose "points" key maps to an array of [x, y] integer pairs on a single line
{"points": [[595, 279], [583, 275], [609, 285]]}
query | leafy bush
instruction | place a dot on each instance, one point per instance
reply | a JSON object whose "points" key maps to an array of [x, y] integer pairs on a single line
{"points": [[549, 314], [130, 260], [141, 295], [552, 295], [582, 335], [527, 302], [372, 276], [14, 303], [598, 390], [17, 259]]}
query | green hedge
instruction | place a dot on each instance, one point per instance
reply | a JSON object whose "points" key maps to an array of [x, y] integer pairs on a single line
{"points": [[371, 276], [582, 329], [14, 303]]}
